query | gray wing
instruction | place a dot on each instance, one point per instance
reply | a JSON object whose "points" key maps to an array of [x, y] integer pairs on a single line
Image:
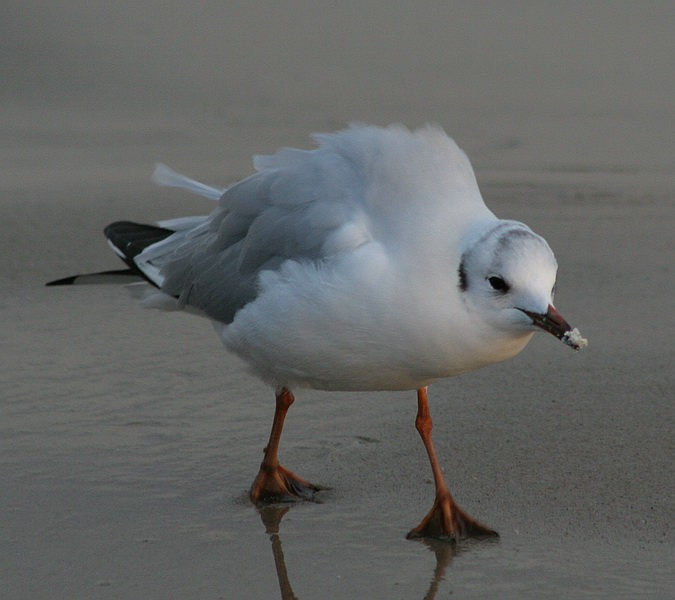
{"points": [[301, 205], [362, 184]]}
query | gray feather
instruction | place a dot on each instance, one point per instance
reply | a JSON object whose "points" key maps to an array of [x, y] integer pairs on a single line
{"points": [[287, 211]]}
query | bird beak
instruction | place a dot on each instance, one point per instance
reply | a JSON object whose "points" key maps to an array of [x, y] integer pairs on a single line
{"points": [[555, 324]]}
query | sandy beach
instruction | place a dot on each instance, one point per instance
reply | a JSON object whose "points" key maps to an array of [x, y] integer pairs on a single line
{"points": [[128, 438]]}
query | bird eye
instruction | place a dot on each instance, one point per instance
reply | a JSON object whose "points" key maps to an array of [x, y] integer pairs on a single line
{"points": [[498, 284]]}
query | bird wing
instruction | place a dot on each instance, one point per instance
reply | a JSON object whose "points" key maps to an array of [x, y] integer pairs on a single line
{"points": [[361, 185]]}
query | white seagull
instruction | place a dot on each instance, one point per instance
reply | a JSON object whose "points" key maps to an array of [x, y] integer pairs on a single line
{"points": [[368, 263]]}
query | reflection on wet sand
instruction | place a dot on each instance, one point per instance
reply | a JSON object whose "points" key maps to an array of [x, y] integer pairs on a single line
{"points": [[271, 517], [444, 552]]}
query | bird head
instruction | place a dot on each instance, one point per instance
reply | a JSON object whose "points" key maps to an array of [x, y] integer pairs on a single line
{"points": [[507, 273]]}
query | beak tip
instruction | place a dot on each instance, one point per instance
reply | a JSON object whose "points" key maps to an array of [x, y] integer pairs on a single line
{"points": [[574, 339], [554, 323]]}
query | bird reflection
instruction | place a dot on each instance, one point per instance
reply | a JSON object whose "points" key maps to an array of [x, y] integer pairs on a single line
{"points": [[271, 516], [444, 552]]}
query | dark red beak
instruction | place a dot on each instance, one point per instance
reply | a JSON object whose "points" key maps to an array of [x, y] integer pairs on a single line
{"points": [[555, 324]]}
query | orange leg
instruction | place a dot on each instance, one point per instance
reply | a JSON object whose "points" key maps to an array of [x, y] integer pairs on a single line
{"points": [[445, 519], [274, 483]]}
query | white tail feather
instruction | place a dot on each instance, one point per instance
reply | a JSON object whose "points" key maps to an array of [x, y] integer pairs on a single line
{"points": [[150, 297], [163, 175], [183, 223]]}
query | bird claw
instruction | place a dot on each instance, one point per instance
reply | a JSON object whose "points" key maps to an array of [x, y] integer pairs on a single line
{"points": [[278, 484], [446, 521]]}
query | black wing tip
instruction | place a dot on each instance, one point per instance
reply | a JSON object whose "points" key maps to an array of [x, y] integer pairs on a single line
{"points": [[65, 281], [103, 275], [132, 238], [118, 227]]}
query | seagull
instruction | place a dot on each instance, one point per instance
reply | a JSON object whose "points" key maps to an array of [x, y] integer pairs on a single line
{"points": [[368, 263]]}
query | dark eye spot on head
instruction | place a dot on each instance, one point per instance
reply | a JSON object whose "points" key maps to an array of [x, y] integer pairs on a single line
{"points": [[498, 284], [463, 283]]}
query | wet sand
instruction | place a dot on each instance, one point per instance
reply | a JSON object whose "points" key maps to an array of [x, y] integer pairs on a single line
{"points": [[128, 438]]}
